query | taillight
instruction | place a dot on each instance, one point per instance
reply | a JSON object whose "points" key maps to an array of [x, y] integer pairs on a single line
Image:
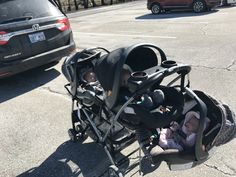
{"points": [[3, 38], [63, 24], [5, 74]]}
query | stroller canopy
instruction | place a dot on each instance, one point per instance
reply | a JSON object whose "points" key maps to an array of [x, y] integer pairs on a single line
{"points": [[108, 68]]}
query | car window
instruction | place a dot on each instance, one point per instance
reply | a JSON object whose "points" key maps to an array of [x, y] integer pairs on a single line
{"points": [[10, 9]]}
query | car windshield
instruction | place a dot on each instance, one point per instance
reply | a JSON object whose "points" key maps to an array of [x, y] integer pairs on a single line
{"points": [[19, 9]]}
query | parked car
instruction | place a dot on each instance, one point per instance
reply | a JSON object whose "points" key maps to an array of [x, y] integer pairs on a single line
{"points": [[157, 6], [32, 33], [227, 2]]}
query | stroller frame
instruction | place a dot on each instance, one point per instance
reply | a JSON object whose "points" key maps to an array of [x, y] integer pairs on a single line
{"points": [[84, 121], [78, 131]]}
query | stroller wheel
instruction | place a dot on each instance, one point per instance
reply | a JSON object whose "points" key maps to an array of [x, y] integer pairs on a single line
{"points": [[73, 135], [114, 171], [81, 135], [77, 136], [79, 128]]}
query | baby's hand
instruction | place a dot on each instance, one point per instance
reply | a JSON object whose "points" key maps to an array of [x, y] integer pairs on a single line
{"points": [[174, 126]]}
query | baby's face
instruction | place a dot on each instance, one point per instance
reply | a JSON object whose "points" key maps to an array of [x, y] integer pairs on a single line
{"points": [[90, 77], [192, 124]]}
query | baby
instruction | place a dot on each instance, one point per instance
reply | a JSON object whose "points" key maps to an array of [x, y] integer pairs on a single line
{"points": [[89, 76], [177, 137]]}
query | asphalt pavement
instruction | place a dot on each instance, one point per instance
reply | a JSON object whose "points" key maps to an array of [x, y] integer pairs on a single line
{"points": [[35, 108]]}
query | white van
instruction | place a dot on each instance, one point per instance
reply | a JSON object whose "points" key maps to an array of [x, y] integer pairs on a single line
{"points": [[227, 2], [231, 1]]}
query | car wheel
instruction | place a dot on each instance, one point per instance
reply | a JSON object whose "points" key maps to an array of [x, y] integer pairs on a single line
{"points": [[156, 9], [199, 6]]}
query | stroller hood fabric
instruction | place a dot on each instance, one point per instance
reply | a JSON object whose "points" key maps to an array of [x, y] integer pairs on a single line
{"points": [[228, 127], [108, 68], [225, 122]]}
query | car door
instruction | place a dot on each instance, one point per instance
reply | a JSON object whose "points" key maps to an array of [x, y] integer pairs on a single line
{"points": [[176, 3]]}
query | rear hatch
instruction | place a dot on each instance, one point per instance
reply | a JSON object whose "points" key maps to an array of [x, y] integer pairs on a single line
{"points": [[31, 27]]}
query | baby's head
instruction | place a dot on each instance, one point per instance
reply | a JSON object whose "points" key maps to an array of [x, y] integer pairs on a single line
{"points": [[89, 76], [191, 122]]}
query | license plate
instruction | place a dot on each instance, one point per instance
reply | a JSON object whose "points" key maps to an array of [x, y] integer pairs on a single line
{"points": [[37, 37]]}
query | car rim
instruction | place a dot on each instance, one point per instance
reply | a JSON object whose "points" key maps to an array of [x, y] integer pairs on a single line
{"points": [[198, 6], [155, 9]]}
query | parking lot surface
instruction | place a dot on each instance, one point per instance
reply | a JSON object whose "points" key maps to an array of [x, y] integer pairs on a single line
{"points": [[35, 108]]}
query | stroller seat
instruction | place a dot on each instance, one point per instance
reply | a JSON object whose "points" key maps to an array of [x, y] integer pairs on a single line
{"points": [[212, 136], [111, 116]]}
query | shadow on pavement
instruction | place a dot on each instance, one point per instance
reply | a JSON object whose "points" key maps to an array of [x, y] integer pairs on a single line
{"points": [[24, 82], [174, 14], [72, 160]]}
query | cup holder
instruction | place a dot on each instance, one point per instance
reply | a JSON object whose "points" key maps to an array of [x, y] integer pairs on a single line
{"points": [[138, 76], [168, 63]]}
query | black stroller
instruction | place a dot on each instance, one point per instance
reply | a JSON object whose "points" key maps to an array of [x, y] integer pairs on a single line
{"points": [[99, 102]]}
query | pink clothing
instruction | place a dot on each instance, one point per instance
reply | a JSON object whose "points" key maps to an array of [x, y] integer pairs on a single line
{"points": [[169, 138], [168, 141]]}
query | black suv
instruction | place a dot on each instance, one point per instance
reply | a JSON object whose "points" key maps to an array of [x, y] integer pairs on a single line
{"points": [[32, 33]]}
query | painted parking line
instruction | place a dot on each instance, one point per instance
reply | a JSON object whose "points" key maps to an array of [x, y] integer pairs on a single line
{"points": [[177, 21], [125, 35]]}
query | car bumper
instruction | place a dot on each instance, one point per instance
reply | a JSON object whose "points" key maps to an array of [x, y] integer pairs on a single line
{"points": [[14, 67]]}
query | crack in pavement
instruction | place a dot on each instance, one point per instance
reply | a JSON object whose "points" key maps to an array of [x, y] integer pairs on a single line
{"points": [[230, 65], [54, 92], [208, 67], [204, 30], [231, 168], [217, 168]]}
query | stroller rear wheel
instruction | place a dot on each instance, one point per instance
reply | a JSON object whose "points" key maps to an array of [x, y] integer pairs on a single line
{"points": [[82, 135], [114, 171], [76, 135], [72, 134]]}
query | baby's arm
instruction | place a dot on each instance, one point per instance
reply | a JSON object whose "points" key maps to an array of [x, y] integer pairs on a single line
{"points": [[165, 138], [190, 140]]}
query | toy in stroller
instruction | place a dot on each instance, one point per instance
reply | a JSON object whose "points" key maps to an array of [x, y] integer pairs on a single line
{"points": [[111, 107]]}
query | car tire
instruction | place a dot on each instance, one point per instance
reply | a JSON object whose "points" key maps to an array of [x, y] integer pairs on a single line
{"points": [[156, 8], [199, 6]]}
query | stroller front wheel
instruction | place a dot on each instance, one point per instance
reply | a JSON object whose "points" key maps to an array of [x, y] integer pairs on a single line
{"points": [[81, 134], [72, 134], [114, 171], [76, 136]]}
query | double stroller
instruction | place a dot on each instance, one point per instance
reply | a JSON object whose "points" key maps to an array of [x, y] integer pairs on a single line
{"points": [[106, 103]]}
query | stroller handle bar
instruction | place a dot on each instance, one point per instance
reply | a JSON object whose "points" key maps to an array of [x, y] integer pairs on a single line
{"points": [[183, 69], [199, 152], [142, 86]]}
